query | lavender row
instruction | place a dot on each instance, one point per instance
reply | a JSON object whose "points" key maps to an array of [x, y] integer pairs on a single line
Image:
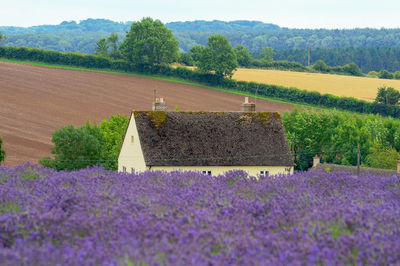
{"points": [[94, 216]]}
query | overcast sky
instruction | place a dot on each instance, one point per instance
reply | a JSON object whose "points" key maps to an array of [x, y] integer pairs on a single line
{"points": [[285, 13]]}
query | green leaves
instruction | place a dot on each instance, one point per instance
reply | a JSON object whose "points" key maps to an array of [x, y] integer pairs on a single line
{"points": [[102, 47], [387, 95], [149, 42], [242, 54], [77, 148], [2, 152], [218, 56]]}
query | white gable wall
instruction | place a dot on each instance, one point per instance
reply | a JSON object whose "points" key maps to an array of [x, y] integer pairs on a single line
{"points": [[131, 155]]}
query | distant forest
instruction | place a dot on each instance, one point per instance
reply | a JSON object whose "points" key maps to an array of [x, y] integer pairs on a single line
{"points": [[370, 49]]}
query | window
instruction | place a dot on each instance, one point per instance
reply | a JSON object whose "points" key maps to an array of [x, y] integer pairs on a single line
{"points": [[264, 173], [131, 139], [124, 169], [208, 172]]}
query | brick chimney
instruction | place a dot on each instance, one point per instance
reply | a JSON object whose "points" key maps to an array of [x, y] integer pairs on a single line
{"points": [[248, 107], [159, 105], [316, 160]]}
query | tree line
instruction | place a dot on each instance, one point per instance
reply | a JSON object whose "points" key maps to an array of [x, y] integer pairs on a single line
{"points": [[370, 49], [366, 58], [334, 137]]}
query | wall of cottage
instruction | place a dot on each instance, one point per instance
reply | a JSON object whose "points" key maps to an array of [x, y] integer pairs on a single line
{"points": [[131, 157]]}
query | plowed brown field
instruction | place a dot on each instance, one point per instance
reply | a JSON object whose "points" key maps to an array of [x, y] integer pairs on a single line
{"points": [[35, 101]]}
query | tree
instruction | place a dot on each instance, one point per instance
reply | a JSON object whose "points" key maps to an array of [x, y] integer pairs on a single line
{"points": [[2, 152], [352, 69], [102, 47], [242, 54], [113, 131], [320, 66], [113, 40], [384, 158], [267, 54], [186, 59], [384, 74], [196, 52], [218, 56], [387, 95], [149, 42], [76, 148]]}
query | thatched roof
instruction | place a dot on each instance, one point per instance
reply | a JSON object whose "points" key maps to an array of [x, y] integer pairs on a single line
{"points": [[352, 169], [212, 139]]}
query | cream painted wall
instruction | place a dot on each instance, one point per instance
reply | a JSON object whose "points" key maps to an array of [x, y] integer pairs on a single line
{"points": [[219, 170], [131, 155]]}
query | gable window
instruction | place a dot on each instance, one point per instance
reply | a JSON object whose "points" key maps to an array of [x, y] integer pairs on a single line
{"points": [[131, 139], [207, 172], [264, 173]]}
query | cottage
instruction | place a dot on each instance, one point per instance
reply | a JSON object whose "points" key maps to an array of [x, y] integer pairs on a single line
{"points": [[211, 142]]}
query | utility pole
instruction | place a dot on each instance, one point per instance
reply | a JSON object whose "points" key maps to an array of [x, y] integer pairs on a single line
{"points": [[358, 158], [309, 48]]}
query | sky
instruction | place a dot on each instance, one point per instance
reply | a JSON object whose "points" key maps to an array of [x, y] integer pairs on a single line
{"points": [[331, 14]]}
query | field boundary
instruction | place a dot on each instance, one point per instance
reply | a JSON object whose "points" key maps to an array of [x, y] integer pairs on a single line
{"points": [[291, 95], [163, 78]]}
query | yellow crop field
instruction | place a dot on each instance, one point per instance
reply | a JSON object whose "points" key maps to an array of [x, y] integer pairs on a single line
{"points": [[363, 88]]}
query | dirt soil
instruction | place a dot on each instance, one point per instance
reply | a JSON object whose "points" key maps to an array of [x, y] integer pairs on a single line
{"points": [[35, 101]]}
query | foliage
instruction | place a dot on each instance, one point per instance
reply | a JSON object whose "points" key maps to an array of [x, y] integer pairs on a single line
{"points": [[370, 49], [218, 56], [149, 42], [384, 74], [2, 37], [267, 54], [77, 148], [243, 56], [352, 69], [2, 152], [99, 217], [387, 95], [113, 131], [102, 47], [334, 137], [349, 69], [369, 58], [385, 158], [320, 66], [196, 52], [186, 59], [113, 41]]}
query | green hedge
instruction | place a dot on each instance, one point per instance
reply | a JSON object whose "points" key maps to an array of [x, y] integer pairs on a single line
{"points": [[271, 91]]}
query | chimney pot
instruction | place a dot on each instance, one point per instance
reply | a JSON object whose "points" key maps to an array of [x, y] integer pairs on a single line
{"points": [[159, 105], [316, 160]]}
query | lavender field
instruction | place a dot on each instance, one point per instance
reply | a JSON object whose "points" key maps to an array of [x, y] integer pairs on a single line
{"points": [[98, 217]]}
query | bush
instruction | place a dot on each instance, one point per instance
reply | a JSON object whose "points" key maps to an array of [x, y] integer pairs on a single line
{"points": [[384, 74], [2, 152]]}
